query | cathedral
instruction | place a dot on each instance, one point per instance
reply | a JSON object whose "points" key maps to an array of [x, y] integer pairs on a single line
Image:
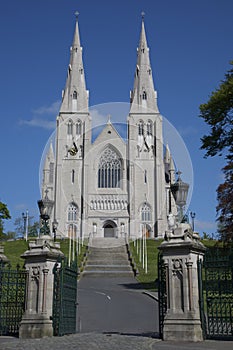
{"points": [[109, 186]]}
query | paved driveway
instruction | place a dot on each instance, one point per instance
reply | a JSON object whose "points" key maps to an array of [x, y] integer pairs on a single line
{"points": [[115, 305]]}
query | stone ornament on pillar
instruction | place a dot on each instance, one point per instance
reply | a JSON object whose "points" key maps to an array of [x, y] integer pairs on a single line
{"points": [[181, 251]]}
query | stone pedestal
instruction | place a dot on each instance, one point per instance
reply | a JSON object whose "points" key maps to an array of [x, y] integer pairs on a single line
{"points": [[181, 250], [40, 259]]}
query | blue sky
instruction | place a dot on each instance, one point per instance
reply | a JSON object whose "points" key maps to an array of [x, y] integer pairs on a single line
{"points": [[190, 49]]}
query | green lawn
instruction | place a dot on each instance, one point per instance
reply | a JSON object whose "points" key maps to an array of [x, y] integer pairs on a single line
{"points": [[13, 250], [149, 280]]}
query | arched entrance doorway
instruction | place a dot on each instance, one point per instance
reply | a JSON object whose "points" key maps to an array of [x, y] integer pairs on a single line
{"points": [[109, 229]]}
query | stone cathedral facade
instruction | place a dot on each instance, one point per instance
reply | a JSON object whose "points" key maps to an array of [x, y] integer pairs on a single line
{"points": [[109, 187]]}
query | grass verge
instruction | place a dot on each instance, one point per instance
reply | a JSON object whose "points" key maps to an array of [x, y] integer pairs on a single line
{"points": [[148, 281], [14, 249]]}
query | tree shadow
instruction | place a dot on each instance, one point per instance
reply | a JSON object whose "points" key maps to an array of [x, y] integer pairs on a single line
{"points": [[152, 285], [154, 335]]}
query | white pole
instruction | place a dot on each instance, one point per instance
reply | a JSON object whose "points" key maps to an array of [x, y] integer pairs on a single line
{"points": [[140, 251], [69, 245], [26, 233], [77, 240], [73, 239], [146, 270], [143, 248]]}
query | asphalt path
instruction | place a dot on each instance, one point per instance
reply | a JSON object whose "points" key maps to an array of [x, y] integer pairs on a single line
{"points": [[115, 305]]}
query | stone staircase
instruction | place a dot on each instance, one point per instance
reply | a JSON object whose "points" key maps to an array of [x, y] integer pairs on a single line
{"points": [[108, 257]]}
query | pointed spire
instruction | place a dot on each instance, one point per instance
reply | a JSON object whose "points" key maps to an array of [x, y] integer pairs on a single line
{"points": [[172, 171], [143, 95], [49, 157], [75, 95], [167, 157]]}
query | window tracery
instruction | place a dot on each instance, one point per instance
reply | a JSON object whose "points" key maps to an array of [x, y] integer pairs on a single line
{"points": [[109, 169], [72, 212], [146, 213], [140, 128], [144, 95]]}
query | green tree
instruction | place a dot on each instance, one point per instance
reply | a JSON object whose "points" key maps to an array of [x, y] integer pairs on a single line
{"points": [[4, 215], [218, 114], [32, 227]]}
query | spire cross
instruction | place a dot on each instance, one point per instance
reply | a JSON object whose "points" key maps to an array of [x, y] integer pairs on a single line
{"points": [[143, 15], [109, 119], [76, 15]]}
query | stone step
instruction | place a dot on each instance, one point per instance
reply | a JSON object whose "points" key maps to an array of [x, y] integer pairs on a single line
{"points": [[108, 268], [118, 250], [102, 273], [107, 257], [107, 263], [107, 242]]}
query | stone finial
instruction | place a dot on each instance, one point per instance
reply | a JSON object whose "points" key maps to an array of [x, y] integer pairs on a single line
{"points": [[3, 258]]}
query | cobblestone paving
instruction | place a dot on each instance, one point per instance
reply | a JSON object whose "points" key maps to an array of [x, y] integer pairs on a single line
{"points": [[93, 341], [86, 341]]}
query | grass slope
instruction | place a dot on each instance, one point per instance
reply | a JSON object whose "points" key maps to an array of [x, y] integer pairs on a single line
{"points": [[14, 249]]}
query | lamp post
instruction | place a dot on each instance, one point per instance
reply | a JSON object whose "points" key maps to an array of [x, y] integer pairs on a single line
{"points": [[180, 191], [25, 224], [192, 214], [55, 224], [45, 207]]}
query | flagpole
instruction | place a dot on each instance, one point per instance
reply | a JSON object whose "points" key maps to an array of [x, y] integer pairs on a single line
{"points": [[146, 267], [73, 239], [69, 258]]}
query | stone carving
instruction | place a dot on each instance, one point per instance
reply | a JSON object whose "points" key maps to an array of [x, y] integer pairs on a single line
{"points": [[108, 202], [35, 275], [171, 221]]}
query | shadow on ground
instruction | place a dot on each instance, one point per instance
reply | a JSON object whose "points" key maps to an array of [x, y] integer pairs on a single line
{"points": [[154, 335], [150, 286]]}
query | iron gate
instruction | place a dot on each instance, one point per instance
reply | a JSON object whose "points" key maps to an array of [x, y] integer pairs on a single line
{"points": [[217, 309], [162, 292], [65, 298], [12, 299]]}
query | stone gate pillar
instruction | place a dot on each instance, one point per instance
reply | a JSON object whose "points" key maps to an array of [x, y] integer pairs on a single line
{"points": [[181, 250], [40, 258]]}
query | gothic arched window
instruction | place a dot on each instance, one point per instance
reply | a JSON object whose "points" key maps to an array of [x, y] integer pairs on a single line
{"points": [[146, 213], [75, 95], [72, 212], [70, 127], [144, 95], [78, 127], [140, 128], [149, 127], [109, 169]]}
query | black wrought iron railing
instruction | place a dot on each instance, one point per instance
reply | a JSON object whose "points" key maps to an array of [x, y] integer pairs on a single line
{"points": [[12, 298]]}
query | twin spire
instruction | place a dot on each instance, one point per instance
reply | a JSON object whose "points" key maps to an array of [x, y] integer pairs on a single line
{"points": [[143, 97], [75, 95]]}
